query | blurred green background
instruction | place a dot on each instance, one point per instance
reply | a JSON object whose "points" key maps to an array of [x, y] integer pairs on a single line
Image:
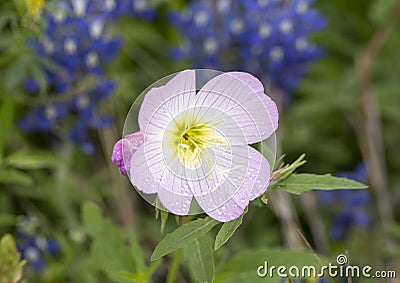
{"points": [[76, 219]]}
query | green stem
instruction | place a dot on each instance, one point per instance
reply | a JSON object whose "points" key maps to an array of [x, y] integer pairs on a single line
{"points": [[60, 195], [173, 271]]}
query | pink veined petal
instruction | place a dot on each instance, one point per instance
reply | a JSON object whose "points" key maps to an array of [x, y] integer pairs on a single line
{"points": [[256, 85], [175, 203], [256, 114], [162, 104], [255, 183], [140, 175], [233, 208], [259, 169], [228, 200], [150, 174], [173, 190]]}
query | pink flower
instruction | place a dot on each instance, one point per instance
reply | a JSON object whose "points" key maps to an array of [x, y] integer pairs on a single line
{"points": [[196, 144]]}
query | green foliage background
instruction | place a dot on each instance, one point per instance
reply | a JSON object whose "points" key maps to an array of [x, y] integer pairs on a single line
{"points": [[107, 233]]}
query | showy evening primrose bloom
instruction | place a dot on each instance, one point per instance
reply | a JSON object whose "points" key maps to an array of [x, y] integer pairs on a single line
{"points": [[195, 145]]}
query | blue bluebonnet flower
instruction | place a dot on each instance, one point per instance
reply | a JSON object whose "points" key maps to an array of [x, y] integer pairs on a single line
{"points": [[32, 245], [350, 205], [76, 40], [269, 38], [140, 8]]}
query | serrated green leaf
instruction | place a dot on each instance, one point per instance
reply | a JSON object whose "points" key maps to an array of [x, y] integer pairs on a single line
{"points": [[227, 230], [183, 234], [301, 183], [14, 176], [33, 160], [200, 258], [243, 267], [92, 219]]}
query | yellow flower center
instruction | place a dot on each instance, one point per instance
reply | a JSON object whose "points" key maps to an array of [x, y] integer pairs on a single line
{"points": [[192, 140]]}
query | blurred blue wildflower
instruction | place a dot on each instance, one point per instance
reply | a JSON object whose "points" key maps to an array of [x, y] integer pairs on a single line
{"points": [[350, 205], [269, 38], [32, 245], [75, 38]]}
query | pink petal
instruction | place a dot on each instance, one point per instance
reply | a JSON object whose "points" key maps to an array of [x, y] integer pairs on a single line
{"points": [[140, 175], [255, 181], [258, 168], [241, 97], [124, 150], [150, 173], [162, 104], [233, 208]]}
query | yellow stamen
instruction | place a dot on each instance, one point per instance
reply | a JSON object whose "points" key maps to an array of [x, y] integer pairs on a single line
{"points": [[192, 140]]}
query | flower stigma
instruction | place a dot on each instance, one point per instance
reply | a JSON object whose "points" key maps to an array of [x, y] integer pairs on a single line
{"points": [[193, 140]]}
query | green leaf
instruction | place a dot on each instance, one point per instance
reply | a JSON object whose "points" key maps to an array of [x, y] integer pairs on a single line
{"points": [[92, 218], [288, 169], [14, 176], [183, 234], [151, 269], [164, 219], [227, 230], [200, 258], [128, 275], [7, 220], [136, 252], [15, 73], [33, 160], [301, 183], [108, 241], [243, 267], [7, 120], [111, 251], [11, 268]]}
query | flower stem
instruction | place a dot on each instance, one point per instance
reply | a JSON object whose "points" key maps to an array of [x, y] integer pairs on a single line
{"points": [[173, 271], [122, 200], [61, 198]]}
